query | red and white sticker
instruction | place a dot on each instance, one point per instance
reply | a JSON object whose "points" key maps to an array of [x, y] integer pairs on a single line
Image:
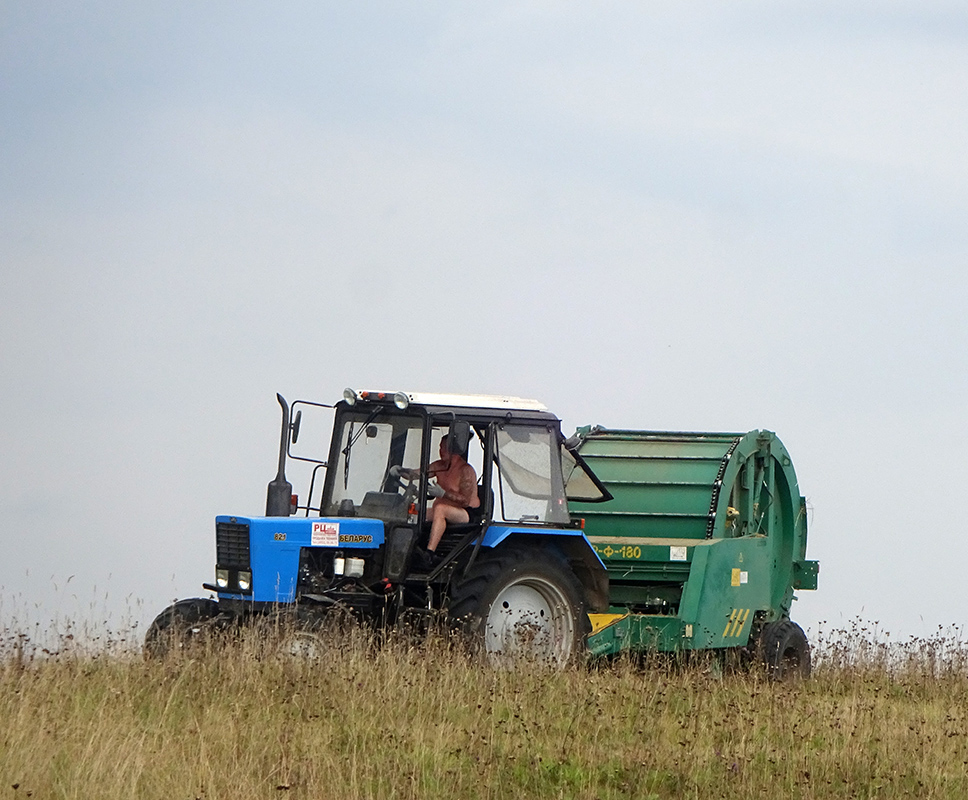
{"points": [[325, 534]]}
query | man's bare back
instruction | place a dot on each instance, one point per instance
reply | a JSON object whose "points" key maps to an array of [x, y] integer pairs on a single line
{"points": [[457, 481]]}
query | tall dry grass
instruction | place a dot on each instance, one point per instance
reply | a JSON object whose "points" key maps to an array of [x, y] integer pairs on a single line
{"points": [[396, 720]]}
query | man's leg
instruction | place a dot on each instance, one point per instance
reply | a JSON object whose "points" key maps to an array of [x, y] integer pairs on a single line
{"points": [[440, 515]]}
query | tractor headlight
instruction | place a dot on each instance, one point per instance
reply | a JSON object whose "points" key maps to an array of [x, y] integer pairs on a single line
{"points": [[222, 578], [401, 400], [349, 395], [245, 581]]}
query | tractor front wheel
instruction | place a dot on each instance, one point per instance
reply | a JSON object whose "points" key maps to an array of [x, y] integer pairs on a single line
{"points": [[179, 627], [296, 637]]}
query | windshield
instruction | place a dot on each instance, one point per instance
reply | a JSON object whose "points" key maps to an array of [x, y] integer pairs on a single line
{"points": [[369, 445]]}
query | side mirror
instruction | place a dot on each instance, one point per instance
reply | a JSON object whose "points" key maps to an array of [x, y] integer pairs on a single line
{"points": [[459, 437], [295, 426]]}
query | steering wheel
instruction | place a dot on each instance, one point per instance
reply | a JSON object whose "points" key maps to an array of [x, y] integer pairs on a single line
{"points": [[400, 475], [412, 480]]}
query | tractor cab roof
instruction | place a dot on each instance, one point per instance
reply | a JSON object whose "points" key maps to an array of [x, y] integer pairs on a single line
{"points": [[471, 405]]}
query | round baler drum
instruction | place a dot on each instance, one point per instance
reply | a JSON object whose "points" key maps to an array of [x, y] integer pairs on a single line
{"points": [[683, 489], [523, 603]]}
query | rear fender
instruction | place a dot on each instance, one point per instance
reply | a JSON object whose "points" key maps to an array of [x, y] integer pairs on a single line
{"points": [[571, 544]]}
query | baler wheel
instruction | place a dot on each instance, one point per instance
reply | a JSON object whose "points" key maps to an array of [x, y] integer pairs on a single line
{"points": [[785, 650], [179, 627], [522, 603]]}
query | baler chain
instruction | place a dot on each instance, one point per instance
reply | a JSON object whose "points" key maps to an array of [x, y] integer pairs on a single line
{"points": [[717, 487]]}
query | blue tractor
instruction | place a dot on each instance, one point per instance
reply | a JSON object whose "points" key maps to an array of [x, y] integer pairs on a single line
{"points": [[518, 577]]}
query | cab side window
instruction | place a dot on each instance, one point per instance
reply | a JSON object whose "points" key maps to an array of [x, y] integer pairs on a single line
{"points": [[527, 476]]}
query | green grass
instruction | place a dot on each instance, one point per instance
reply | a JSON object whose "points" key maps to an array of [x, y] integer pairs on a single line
{"points": [[401, 721]]}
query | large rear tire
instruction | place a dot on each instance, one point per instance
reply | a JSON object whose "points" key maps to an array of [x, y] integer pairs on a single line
{"points": [[183, 625], [522, 603], [785, 651]]}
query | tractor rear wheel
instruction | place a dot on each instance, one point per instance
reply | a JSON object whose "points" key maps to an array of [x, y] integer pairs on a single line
{"points": [[522, 603], [181, 626], [784, 650]]}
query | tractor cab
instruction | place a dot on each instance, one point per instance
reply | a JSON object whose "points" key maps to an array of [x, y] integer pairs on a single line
{"points": [[381, 451]]}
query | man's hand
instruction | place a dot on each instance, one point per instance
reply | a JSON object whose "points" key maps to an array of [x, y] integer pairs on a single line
{"points": [[399, 471], [435, 490]]}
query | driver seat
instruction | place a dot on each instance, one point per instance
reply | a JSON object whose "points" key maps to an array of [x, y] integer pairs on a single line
{"points": [[454, 533]]}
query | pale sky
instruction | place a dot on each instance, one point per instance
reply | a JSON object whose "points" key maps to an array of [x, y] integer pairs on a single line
{"points": [[690, 216]]}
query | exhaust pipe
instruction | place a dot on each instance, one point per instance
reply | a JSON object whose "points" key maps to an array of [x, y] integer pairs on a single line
{"points": [[279, 494]]}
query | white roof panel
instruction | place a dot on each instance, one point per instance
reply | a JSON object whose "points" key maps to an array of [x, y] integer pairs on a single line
{"points": [[467, 400]]}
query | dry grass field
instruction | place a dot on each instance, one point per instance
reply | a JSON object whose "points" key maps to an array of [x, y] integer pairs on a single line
{"points": [[400, 721]]}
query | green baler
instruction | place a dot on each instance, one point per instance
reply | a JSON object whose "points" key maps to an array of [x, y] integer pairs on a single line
{"points": [[704, 540]]}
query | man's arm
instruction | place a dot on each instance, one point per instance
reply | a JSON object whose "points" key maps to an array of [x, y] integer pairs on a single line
{"points": [[467, 487]]}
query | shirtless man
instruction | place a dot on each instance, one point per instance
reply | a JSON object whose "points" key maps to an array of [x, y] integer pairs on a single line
{"points": [[455, 492]]}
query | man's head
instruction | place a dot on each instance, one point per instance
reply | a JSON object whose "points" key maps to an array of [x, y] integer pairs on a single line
{"points": [[446, 451]]}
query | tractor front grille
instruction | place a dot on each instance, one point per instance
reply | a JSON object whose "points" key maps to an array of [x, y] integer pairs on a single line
{"points": [[232, 545]]}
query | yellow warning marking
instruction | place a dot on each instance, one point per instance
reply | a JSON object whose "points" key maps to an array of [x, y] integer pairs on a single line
{"points": [[737, 621], [740, 622], [735, 579], [601, 621]]}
